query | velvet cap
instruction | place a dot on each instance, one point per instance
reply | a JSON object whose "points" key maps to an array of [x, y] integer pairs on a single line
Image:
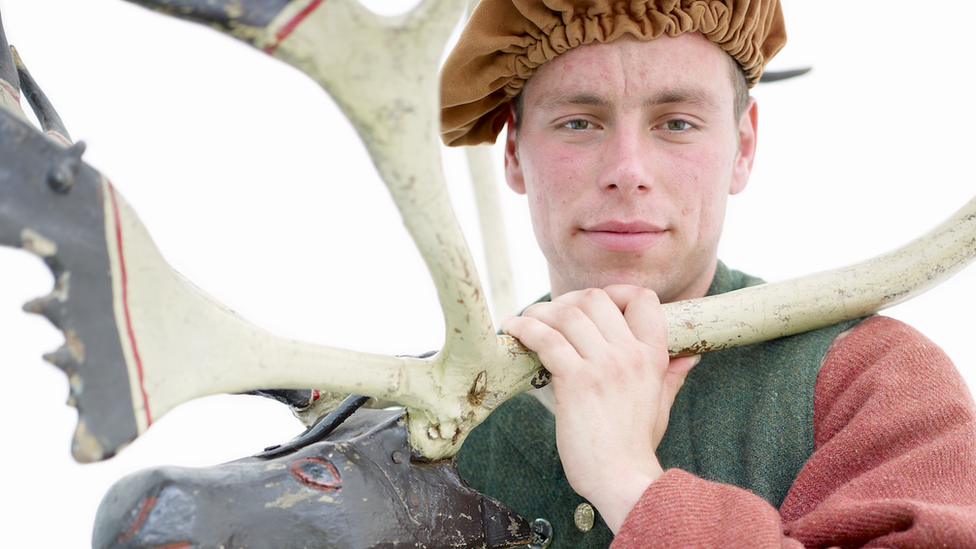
{"points": [[504, 42]]}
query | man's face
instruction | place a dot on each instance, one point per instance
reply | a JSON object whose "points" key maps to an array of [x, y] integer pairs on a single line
{"points": [[628, 152]]}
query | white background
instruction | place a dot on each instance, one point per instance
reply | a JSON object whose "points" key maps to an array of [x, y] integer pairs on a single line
{"points": [[256, 188]]}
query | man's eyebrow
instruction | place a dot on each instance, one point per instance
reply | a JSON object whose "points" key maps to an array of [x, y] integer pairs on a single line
{"points": [[693, 96], [575, 97]]}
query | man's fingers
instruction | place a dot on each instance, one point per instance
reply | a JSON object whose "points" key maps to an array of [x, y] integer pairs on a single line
{"points": [[554, 350], [581, 330], [603, 312], [642, 312]]}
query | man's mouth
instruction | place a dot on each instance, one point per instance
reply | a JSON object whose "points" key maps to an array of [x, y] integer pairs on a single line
{"points": [[616, 236]]}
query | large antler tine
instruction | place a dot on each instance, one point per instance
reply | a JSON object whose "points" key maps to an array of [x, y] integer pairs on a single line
{"points": [[9, 83], [394, 106], [780, 309], [499, 267], [167, 330], [43, 109], [385, 81], [140, 338]]}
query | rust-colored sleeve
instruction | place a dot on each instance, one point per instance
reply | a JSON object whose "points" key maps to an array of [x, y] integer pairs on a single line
{"points": [[894, 463]]}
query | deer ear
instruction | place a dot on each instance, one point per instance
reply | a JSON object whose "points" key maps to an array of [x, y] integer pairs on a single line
{"points": [[513, 166]]}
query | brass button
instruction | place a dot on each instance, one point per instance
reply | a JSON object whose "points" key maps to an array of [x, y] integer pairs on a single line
{"points": [[541, 534], [583, 517]]}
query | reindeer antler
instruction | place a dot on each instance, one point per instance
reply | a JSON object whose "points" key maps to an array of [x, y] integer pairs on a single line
{"points": [[167, 327], [385, 81], [175, 342]]}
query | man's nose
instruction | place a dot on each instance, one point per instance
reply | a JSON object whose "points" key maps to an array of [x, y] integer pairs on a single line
{"points": [[627, 164]]}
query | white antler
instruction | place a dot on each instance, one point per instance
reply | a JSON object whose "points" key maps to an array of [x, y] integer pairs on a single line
{"points": [[382, 72], [785, 308], [179, 343]]}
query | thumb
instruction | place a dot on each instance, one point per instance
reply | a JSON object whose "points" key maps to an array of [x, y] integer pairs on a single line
{"points": [[678, 370]]}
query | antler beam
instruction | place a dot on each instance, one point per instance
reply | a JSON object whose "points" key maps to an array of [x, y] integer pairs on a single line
{"points": [[177, 343]]}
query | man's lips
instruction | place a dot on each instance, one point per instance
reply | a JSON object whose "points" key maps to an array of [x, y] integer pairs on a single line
{"points": [[618, 236]]}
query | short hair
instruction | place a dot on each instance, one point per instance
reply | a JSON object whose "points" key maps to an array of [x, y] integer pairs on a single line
{"points": [[740, 98]]}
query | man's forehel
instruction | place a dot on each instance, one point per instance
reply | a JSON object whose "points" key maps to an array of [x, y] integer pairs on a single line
{"points": [[506, 40]]}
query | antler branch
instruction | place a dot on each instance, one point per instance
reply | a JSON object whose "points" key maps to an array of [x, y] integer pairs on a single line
{"points": [[785, 308], [177, 343]]}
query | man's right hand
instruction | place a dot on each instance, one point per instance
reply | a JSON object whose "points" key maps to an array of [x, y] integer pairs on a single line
{"points": [[614, 385]]}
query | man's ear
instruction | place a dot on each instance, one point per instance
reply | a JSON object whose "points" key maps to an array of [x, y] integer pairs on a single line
{"points": [[748, 133], [513, 165]]}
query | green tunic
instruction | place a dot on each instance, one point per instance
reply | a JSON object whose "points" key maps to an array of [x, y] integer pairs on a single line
{"points": [[743, 417]]}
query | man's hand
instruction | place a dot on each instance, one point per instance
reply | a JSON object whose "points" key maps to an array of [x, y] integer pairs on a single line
{"points": [[614, 385]]}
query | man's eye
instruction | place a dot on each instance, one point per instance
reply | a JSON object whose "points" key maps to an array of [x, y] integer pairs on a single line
{"points": [[677, 125], [578, 125]]}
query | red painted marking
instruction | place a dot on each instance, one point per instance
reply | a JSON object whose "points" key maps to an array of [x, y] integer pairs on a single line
{"points": [[125, 306], [320, 481], [289, 27], [64, 141], [10, 89], [315, 395], [145, 506]]}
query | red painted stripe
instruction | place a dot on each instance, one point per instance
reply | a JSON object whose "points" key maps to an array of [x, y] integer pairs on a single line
{"points": [[64, 141], [289, 27], [145, 506], [125, 306], [10, 89]]}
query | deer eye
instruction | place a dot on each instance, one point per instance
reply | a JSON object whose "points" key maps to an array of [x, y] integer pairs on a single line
{"points": [[316, 473]]}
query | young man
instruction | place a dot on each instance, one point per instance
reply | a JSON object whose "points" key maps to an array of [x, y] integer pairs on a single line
{"points": [[631, 128]]}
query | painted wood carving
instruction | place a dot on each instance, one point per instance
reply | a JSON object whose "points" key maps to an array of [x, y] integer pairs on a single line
{"points": [[140, 338]]}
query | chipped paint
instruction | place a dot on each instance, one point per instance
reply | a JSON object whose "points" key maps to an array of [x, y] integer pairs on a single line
{"points": [[75, 346], [37, 243], [61, 287], [76, 383], [290, 499], [234, 9], [275, 466], [85, 447]]}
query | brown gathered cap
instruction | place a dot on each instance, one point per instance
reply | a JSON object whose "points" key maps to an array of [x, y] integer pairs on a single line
{"points": [[505, 40]]}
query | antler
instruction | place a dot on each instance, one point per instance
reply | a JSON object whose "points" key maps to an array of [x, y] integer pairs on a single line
{"points": [[178, 343], [166, 326]]}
